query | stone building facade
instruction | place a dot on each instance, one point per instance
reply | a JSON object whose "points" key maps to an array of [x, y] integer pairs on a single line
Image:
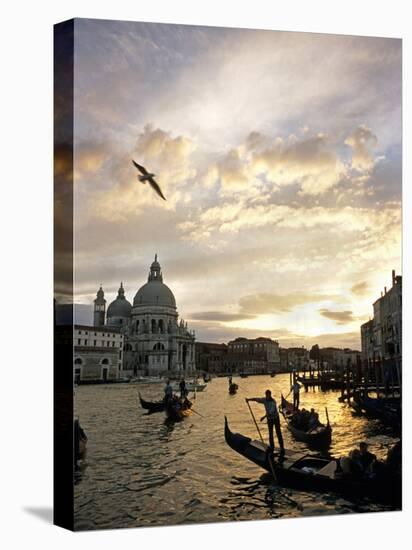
{"points": [[257, 355], [382, 336], [293, 358], [98, 354], [209, 356]]}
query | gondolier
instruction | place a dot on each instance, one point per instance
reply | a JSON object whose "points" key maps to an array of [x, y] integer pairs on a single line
{"points": [[272, 418], [168, 390], [295, 389], [182, 387]]}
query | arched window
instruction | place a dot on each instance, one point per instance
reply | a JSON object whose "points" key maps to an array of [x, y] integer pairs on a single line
{"points": [[161, 326], [158, 347], [78, 361], [154, 325], [105, 361]]}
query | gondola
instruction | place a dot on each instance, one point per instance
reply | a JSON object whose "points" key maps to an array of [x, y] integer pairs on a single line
{"points": [[311, 473], [233, 388], [321, 436], [152, 407], [176, 410], [388, 410]]}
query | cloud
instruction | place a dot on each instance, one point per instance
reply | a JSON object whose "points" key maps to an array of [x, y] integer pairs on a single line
{"points": [[216, 332], [341, 317], [361, 141], [262, 303], [263, 194], [233, 217], [311, 162], [360, 289], [219, 316], [89, 159], [160, 152]]}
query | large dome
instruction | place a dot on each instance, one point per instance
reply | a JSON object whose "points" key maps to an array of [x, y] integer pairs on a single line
{"points": [[119, 307], [155, 292]]}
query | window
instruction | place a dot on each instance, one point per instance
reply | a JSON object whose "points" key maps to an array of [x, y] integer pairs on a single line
{"points": [[113, 343], [94, 342], [105, 361], [85, 342], [78, 361], [78, 341], [80, 331]]}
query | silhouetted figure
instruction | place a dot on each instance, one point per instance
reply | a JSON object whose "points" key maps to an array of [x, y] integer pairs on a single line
{"points": [[272, 418]]}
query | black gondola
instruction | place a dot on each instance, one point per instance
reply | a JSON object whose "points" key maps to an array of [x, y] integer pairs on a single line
{"points": [[388, 410], [306, 472], [233, 388], [321, 436], [156, 406]]}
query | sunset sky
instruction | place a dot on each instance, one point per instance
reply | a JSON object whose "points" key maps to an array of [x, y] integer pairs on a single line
{"points": [[279, 154]]}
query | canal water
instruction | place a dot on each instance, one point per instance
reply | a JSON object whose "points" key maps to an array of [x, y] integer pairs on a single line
{"points": [[142, 471]]}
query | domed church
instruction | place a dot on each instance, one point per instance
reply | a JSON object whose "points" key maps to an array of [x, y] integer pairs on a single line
{"points": [[155, 340]]}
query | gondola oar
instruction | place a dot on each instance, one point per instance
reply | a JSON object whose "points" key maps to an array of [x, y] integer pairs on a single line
{"points": [[261, 438], [327, 415], [197, 412]]}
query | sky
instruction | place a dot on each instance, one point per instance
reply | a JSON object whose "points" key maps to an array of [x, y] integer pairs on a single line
{"points": [[279, 154]]}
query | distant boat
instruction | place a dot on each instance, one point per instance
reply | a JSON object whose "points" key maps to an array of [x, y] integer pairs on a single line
{"points": [[190, 386], [272, 374], [156, 406], [147, 380], [388, 410]]}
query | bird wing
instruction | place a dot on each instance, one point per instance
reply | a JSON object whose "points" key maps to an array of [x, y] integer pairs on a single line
{"points": [[142, 169], [156, 188]]}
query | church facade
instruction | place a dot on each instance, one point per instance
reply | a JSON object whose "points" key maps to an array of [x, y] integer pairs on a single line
{"points": [[156, 341]]}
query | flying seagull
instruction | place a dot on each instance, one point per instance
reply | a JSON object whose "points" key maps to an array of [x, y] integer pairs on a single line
{"points": [[150, 178]]}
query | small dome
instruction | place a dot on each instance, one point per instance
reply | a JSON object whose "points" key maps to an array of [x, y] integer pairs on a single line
{"points": [[119, 307]]}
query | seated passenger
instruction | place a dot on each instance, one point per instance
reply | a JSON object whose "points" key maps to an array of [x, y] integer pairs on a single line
{"points": [[366, 458], [349, 466], [313, 421]]}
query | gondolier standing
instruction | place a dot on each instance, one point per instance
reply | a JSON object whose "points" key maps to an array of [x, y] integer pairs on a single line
{"points": [[295, 389], [272, 417], [182, 386], [168, 390]]}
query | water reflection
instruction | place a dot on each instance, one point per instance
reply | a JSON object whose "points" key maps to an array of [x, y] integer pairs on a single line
{"points": [[144, 470]]}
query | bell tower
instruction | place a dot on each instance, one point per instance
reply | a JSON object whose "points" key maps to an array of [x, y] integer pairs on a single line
{"points": [[99, 308]]}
